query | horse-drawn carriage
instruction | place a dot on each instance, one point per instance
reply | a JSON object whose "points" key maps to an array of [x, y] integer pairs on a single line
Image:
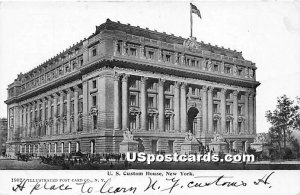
{"points": [[23, 157]]}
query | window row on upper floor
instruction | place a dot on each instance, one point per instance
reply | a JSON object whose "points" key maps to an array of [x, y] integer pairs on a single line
{"points": [[172, 57]]}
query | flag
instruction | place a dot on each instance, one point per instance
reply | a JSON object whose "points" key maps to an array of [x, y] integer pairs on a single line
{"points": [[195, 10]]}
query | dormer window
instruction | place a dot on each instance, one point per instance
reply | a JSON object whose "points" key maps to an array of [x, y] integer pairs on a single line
{"points": [[132, 51], [168, 58], [193, 63], [227, 70], [216, 68], [239, 71], [94, 52], [151, 54]]}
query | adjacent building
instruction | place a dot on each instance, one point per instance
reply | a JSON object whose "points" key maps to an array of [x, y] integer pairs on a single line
{"points": [[3, 135], [157, 85]]}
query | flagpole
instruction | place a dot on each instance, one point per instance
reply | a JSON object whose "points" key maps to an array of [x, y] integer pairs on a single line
{"points": [[191, 19]]}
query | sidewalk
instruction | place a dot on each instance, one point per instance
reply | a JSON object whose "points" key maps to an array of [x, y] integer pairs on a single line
{"points": [[282, 162]]}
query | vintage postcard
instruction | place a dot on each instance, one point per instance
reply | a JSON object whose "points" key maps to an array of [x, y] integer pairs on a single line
{"points": [[150, 97]]}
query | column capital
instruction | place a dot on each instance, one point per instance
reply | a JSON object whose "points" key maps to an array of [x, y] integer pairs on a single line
{"points": [[235, 92], [251, 93], [62, 92], [183, 85], [177, 84], [68, 90], [161, 82], [55, 95], [117, 76], [246, 93], [76, 88], [204, 88], [210, 89], [144, 79], [125, 77], [223, 90]]}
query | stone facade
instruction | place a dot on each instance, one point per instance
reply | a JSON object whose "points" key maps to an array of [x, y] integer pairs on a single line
{"points": [[158, 86]]}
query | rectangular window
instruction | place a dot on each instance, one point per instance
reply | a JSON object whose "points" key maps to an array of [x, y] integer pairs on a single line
{"points": [[215, 125], [193, 63], [151, 102], [167, 123], [193, 91], [151, 54], [216, 68], [227, 126], [240, 71], [168, 58], [228, 109], [62, 147], [170, 144], [95, 122], [240, 97], [151, 86], [239, 127], [132, 51], [132, 100], [57, 112], [94, 52], [227, 96], [72, 107], [168, 88], [80, 106], [150, 122], [92, 146], [215, 94], [51, 111], [94, 84], [227, 70], [239, 110], [215, 108], [65, 108], [132, 122], [80, 123], [46, 113], [94, 100], [133, 84], [167, 103]]}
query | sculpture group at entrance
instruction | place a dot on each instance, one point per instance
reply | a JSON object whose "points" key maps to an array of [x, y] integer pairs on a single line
{"points": [[128, 144]]}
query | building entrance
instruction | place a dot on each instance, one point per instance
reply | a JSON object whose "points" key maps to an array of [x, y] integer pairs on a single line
{"points": [[192, 120]]}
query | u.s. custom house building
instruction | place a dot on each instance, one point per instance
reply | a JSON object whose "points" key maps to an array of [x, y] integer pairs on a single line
{"points": [[159, 86]]}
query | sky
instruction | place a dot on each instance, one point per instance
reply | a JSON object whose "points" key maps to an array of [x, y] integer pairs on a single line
{"points": [[267, 32]]}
